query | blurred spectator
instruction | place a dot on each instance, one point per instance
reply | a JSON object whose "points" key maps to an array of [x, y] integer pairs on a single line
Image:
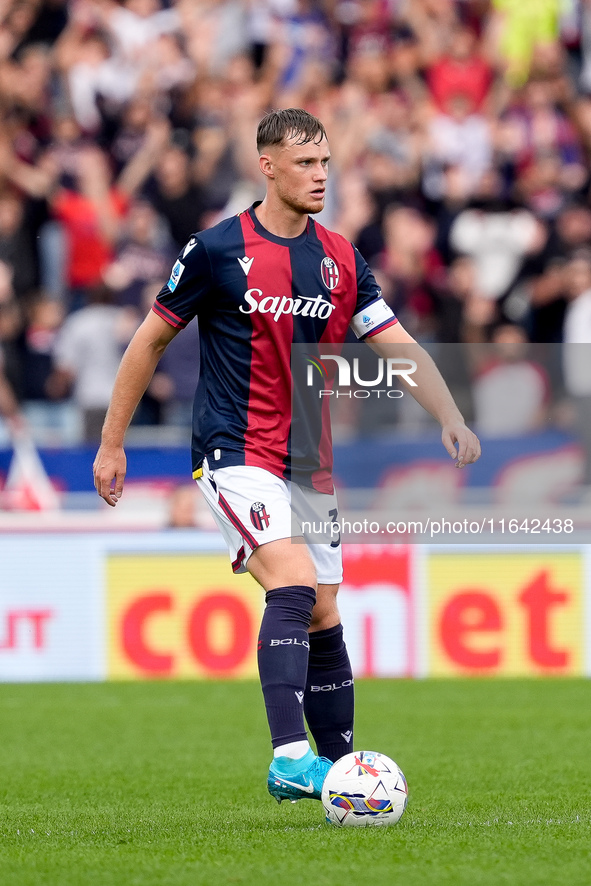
{"points": [[392, 149], [434, 23], [577, 349], [11, 322], [131, 130], [188, 510], [497, 238], [109, 52], [583, 25], [410, 268], [454, 198], [368, 27], [9, 408], [544, 272], [215, 32], [577, 322], [520, 25], [51, 417], [458, 137], [170, 394], [87, 356], [144, 253], [175, 195], [91, 216], [543, 146], [510, 391], [92, 74], [10, 368], [261, 28], [43, 319], [51, 19], [8, 402], [175, 381], [86, 201], [461, 72], [303, 39], [462, 312], [223, 121], [136, 24], [16, 250]]}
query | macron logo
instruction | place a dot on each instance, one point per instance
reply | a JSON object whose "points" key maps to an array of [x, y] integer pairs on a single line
{"points": [[348, 735], [190, 245], [245, 264], [300, 697]]}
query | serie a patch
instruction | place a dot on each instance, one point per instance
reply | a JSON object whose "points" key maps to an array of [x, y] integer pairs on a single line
{"points": [[175, 276]]}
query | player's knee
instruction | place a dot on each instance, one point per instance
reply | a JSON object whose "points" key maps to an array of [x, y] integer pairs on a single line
{"points": [[322, 621], [325, 613], [282, 564], [303, 575]]}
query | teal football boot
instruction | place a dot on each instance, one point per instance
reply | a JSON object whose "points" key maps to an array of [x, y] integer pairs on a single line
{"points": [[295, 779]]}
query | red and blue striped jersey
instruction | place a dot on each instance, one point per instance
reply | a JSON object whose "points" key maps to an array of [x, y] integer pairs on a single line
{"points": [[255, 295]]}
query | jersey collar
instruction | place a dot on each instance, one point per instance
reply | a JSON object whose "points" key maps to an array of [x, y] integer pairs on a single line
{"points": [[263, 232]]}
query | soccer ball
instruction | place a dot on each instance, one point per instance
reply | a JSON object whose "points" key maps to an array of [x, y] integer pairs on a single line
{"points": [[364, 789]]}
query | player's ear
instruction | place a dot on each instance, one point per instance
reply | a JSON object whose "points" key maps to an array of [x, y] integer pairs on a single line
{"points": [[266, 165]]}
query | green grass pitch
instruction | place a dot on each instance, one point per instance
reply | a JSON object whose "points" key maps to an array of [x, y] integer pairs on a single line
{"points": [[164, 783]]}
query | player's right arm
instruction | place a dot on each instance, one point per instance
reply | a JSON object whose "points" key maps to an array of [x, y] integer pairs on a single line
{"points": [[136, 370], [188, 288]]}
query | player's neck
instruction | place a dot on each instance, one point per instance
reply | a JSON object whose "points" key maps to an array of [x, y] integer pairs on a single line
{"points": [[280, 220]]}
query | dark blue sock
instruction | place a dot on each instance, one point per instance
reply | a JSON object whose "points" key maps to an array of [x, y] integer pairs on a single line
{"points": [[329, 703], [283, 660]]}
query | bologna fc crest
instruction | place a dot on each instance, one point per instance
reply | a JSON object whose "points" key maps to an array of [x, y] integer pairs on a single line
{"points": [[259, 516], [330, 273]]}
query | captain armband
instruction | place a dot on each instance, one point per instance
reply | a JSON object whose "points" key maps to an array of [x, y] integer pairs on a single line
{"points": [[373, 318]]}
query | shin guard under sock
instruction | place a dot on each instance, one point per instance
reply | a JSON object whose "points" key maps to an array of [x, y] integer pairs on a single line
{"points": [[329, 698], [283, 660]]}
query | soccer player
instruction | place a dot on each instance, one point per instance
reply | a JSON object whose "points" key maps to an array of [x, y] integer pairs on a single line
{"points": [[259, 282]]}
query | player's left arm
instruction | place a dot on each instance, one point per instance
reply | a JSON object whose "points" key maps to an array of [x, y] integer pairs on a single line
{"points": [[431, 391], [373, 321]]}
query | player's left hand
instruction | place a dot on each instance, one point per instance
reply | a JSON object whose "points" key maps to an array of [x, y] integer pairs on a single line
{"points": [[468, 445]]}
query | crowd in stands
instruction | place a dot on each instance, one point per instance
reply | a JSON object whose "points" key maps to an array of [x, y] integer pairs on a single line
{"points": [[460, 133]]}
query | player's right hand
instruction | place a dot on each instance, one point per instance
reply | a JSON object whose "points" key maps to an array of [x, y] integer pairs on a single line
{"points": [[109, 469]]}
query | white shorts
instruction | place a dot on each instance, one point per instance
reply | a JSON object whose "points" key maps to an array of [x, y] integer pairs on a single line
{"points": [[252, 507]]}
